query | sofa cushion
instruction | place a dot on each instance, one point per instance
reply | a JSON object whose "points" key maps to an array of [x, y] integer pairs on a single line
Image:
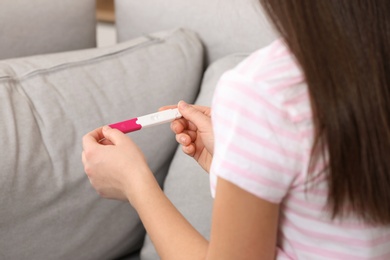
{"points": [[48, 208], [225, 27], [187, 184], [46, 26]]}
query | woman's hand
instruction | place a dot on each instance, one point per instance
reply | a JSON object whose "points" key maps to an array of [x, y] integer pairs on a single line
{"points": [[194, 132], [113, 162]]}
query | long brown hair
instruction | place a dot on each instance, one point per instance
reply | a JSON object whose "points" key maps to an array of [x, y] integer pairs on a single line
{"points": [[343, 48]]}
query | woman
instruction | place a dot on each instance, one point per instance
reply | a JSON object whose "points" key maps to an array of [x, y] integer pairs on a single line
{"points": [[297, 148]]}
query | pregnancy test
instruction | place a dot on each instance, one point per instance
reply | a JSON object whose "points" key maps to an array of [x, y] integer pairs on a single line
{"points": [[138, 123]]}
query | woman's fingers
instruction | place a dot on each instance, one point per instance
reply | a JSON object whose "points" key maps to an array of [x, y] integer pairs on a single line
{"points": [[167, 107], [189, 149]]}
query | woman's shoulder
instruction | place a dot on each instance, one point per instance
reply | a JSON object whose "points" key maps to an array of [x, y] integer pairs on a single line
{"points": [[272, 74], [268, 62]]}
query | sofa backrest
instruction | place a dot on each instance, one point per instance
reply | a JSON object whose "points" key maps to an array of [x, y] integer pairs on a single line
{"points": [[225, 26], [46, 26]]}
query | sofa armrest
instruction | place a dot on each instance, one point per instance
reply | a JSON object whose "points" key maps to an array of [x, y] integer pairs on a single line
{"points": [[46, 26]]}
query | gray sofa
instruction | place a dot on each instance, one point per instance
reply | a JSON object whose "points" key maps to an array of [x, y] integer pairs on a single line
{"points": [[55, 86]]}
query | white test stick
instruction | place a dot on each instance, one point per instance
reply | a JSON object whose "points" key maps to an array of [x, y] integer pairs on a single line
{"points": [[138, 123]]}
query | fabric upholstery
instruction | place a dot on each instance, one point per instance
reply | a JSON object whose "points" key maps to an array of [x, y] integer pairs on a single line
{"points": [[47, 103], [46, 26]]}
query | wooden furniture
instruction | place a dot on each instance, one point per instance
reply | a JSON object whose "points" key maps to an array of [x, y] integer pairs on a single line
{"points": [[105, 11]]}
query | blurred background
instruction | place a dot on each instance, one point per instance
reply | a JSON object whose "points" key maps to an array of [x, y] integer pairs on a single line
{"points": [[105, 15]]}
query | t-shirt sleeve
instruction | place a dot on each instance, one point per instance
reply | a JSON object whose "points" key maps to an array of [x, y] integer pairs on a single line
{"points": [[257, 145]]}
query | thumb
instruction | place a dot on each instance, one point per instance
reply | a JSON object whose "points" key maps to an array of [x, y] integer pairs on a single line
{"points": [[196, 116], [113, 135]]}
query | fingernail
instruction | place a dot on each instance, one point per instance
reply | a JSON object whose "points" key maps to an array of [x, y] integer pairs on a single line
{"points": [[106, 127], [183, 105]]}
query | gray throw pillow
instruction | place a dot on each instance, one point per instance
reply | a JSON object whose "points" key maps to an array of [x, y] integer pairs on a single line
{"points": [[47, 103]]}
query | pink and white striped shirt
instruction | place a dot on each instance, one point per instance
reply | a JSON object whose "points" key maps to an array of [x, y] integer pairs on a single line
{"points": [[263, 126]]}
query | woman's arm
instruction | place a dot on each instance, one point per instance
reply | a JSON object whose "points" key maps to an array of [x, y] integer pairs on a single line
{"points": [[118, 170], [243, 226], [172, 235]]}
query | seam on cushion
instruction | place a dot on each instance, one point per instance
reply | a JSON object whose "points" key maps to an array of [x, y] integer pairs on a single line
{"points": [[152, 40]]}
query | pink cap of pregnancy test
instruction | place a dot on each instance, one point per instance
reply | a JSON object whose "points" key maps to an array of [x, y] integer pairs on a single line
{"points": [[127, 126]]}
